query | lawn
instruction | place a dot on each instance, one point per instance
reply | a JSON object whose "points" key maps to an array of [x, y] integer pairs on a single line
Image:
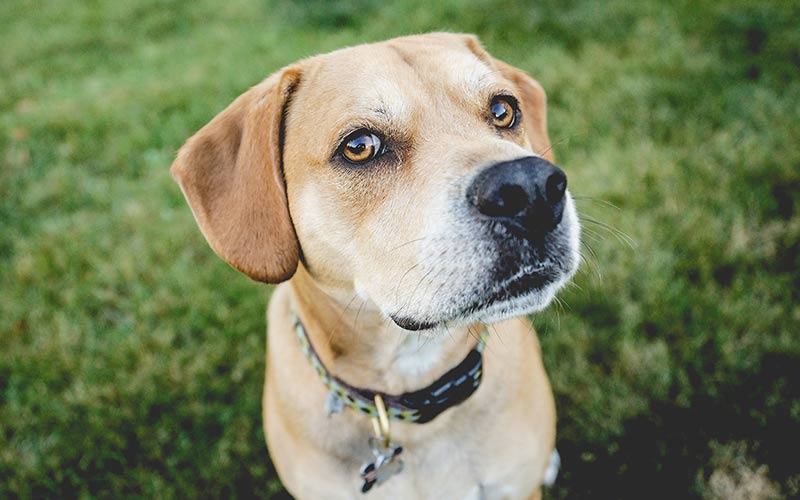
{"points": [[132, 358]]}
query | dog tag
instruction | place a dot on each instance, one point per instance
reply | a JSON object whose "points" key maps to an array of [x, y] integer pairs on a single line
{"points": [[386, 464]]}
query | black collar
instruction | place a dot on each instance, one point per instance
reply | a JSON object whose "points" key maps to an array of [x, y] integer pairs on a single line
{"points": [[421, 406]]}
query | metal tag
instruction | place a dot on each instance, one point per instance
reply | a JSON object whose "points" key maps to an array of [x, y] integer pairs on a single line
{"points": [[386, 464]]}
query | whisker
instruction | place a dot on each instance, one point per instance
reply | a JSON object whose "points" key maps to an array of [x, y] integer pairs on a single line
{"points": [[585, 230], [414, 292], [531, 328], [341, 314], [562, 304], [619, 234], [430, 281], [449, 333], [589, 248], [572, 284], [358, 313], [424, 260], [497, 334], [406, 243], [592, 261], [444, 282], [341, 318], [560, 307], [546, 150], [487, 347], [599, 201], [472, 334], [427, 339]]}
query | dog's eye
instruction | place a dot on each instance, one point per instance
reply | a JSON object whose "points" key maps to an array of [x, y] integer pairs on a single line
{"points": [[504, 112], [361, 146]]}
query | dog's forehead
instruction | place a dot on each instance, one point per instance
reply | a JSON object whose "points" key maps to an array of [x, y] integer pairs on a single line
{"points": [[447, 64], [386, 77]]}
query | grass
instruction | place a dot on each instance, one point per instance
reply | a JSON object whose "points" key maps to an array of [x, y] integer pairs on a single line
{"points": [[132, 357]]}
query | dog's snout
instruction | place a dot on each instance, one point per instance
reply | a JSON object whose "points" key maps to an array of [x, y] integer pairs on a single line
{"points": [[527, 194]]}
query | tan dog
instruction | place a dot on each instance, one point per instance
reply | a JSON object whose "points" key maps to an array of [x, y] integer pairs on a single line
{"points": [[402, 185]]}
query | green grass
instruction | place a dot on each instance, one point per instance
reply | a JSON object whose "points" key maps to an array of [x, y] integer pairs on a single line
{"points": [[131, 357]]}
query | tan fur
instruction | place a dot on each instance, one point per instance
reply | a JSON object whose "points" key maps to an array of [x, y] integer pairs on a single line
{"points": [[370, 244], [230, 172]]}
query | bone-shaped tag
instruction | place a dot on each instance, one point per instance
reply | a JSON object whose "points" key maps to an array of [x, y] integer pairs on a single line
{"points": [[386, 464]]}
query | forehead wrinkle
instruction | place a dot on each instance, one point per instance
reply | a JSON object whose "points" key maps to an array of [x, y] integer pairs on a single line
{"points": [[469, 82], [361, 80], [448, 68], [382, 104], [469, 73], [382, 114], [389, 101], [486, 81], [369, 101]]}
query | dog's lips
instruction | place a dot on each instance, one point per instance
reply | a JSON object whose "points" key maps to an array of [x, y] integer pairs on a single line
{"points": [[525, 282], [528, 280], [408, 323]]}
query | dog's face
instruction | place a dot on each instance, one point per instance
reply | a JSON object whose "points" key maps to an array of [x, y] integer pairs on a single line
{"points": [[416, 175]]}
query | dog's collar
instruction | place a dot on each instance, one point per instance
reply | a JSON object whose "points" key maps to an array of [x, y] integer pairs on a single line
{"points": [[421, 406]]}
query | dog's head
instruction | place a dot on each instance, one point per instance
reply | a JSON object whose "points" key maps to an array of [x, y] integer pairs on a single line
{"points": [[416, 172]]}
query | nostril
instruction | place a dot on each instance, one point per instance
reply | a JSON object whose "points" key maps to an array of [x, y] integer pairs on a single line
{"points": [[506, 201], [555, 187], [514, 198]]}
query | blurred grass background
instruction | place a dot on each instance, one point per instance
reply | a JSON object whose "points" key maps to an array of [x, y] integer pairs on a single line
{"points": [[131, 357]]}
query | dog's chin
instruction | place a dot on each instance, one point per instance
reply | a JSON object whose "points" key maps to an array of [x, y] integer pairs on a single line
{"points": [[529, 303], [502, 303]]}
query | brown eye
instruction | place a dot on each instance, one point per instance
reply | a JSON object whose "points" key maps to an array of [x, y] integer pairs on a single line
{"points": [[361, 146], [504, 112]]}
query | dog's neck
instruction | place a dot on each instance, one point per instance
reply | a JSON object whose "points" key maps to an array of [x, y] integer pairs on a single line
{"points": [[359, 344]]}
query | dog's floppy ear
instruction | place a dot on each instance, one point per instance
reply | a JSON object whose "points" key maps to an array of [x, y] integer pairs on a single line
{"points": [[230, 173], [533, 100]]}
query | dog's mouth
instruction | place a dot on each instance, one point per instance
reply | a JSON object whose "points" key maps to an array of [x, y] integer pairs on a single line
{"points": [[412, 324], [529, 281]]}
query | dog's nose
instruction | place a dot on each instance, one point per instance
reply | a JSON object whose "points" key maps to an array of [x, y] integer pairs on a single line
{"points": [[527, 194]]}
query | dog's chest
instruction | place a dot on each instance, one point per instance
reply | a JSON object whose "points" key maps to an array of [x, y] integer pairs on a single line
{"points": [[466, 470], [438, 465]]}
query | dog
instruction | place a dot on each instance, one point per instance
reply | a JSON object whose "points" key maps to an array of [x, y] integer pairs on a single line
{"points": [[405, 196]]}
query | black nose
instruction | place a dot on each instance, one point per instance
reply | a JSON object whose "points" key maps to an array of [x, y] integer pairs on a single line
{"points": [[526, 194]]}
